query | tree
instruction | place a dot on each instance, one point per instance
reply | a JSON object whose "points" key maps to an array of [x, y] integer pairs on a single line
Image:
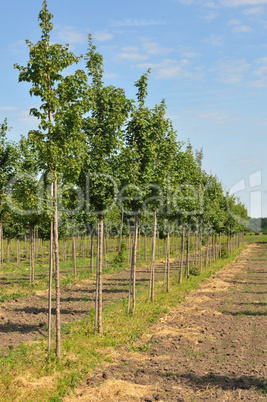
{"points": [[9, 157], [109, 110], [59, 139]]}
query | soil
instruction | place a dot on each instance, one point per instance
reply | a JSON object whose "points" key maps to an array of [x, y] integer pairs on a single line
{"points": [[211, 347], [25, 319]]}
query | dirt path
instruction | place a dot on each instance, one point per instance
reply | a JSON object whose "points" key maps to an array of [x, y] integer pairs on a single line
{"points": [[212, 347]]}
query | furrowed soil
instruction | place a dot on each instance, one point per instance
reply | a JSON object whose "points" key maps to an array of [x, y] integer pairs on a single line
{"points": [[213, 346]]}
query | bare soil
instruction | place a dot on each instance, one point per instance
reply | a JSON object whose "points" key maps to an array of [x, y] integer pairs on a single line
{"points": [[25, 319], [212, 347]]}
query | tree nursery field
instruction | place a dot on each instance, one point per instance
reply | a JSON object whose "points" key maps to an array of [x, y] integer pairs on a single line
{"points": [[205, 339], [126, 269]]}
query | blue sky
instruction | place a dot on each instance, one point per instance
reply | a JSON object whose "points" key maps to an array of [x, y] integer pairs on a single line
{"points": [[208, 60]]}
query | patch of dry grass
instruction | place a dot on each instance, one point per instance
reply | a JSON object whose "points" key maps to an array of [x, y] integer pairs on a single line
{"points": [[113, 390]]}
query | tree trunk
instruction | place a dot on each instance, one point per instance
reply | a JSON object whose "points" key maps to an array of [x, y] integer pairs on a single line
{"points": [[18, 252], [8, 251], [31, 256], [132, 284], [187, 252], [97, 280], [74, 268], [105, 250], [51, 259], [92, 252], [1, 245], [129, 246], [57, 272], [99, 296], [195, 249], [121, 230], [207, 248], [158, 254], [167, 262], [181, 257], [145, 250], [200, 249], [152, 270]]}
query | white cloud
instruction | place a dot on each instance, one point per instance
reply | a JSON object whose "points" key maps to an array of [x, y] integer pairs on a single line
{"points": [[155, 49], [231, 71], [236, 3], [224, 3], [238, 27], [255, 11], [16, 46], [171, 68], [242, 28], [8, 108], [211, 15], [234, 21], [103, 36], [260, 72], [69, 35], [109, 75], [190, 55], [216, 116], [131, 53], [26, 118], [18, 43], [188, 52], [129, 22], [214, 40]]}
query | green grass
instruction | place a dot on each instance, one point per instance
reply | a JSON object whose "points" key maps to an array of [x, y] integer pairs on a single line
{"points": [[82, 350]]}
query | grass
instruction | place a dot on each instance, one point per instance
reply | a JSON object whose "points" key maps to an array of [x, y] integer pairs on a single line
{"points": [[28, 375]]}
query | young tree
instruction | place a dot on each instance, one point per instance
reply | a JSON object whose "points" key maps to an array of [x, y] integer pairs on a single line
{"points": [[9, 158], [109, 110], [59, 139]]}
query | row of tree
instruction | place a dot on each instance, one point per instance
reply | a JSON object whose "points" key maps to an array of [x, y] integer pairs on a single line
{"points": [[96, 156]]}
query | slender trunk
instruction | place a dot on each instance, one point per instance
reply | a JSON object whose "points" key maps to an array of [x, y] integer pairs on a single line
{"points": [[187, 252], [100, 279], [92, 252], [145, 251], [31, 255], [84, 246], [26, 248], [132, 284], [200, 249], [51, 259], [1, 245], [129, 246], [121, 229], [97, 279], [105, 250], [167, 261], [74, 267], [152, 271], [181, 257], [195, 249], [220, 245], [8, 251], [139, 244], [207, 248], [18, 252], [64, 249], [55, 226], [216, 248], [158, 254]]}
